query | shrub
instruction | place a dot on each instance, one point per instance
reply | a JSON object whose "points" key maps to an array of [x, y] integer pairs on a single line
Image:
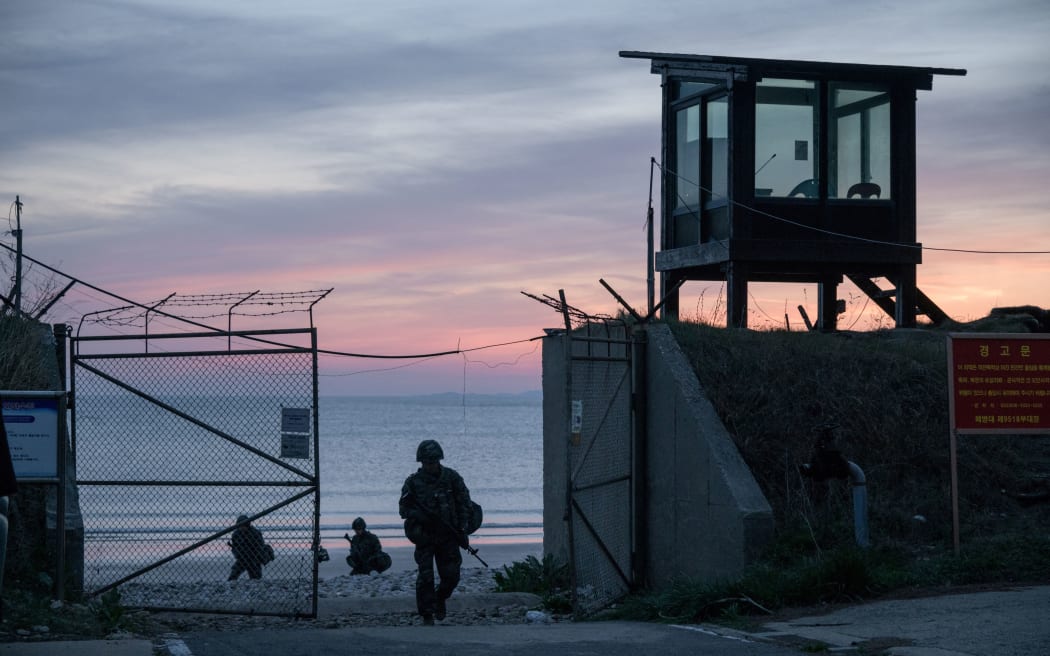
{"points": [[547, 578]]}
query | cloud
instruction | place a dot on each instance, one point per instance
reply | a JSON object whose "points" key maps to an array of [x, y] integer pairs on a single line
{"points": [[430, 161]]}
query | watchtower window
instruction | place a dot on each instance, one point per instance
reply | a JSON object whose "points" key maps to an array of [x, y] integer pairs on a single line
{"points": [[716, 155], [786, 146], [686, 89], [860, 141], [687, 158]]}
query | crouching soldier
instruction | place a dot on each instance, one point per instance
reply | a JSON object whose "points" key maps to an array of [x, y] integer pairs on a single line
{"points": [[366, 552]]}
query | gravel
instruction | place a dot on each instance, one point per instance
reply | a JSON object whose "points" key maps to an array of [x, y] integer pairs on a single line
{"points": [[386, 599]]}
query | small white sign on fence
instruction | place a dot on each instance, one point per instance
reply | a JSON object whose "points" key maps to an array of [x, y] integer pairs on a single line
{"points": [[295, 420]]}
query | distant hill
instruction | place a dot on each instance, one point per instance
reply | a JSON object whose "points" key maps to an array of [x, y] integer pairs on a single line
{"points": [[532, 397]]}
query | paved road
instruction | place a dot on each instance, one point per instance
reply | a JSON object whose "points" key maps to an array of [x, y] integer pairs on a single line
{"points": [[576, 639], [1011, 622]]}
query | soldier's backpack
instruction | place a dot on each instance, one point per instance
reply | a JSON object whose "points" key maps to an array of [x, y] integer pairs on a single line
{"points": [[477, 515], [381, 562], [416, 534], [414, 531]]}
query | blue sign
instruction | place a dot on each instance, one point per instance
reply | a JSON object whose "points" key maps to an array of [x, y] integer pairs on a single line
{"points": [[31, 423]]}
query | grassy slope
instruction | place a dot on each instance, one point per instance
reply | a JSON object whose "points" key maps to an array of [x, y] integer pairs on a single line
{"points": [[886, 393]]}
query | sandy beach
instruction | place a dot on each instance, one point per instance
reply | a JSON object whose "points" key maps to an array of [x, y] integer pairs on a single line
{"points": [[214, 564], [285, 585], [497, 555]]}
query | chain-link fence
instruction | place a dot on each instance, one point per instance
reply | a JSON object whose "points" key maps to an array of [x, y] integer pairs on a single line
{"points": [[172, 448], [601, 465]]}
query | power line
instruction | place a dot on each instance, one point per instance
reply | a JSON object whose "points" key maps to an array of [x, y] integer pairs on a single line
{"points": [[161, 313], [378, 370], [833, 233], [511, 363], [427, 355]]}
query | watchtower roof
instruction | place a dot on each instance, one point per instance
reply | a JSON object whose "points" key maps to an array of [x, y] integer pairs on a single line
{"points": [[744, 68]]}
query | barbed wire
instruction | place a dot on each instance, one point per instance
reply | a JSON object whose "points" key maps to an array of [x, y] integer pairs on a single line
{"points": [[576, 315], [159, 309], [284, 302]]}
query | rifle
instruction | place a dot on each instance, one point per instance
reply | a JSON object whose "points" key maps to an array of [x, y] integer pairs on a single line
{"points": [[460, 536]]}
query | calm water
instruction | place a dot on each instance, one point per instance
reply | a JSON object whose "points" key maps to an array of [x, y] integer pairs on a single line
{"points": [[367, 448]]}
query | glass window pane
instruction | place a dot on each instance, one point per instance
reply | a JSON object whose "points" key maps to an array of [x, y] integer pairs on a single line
{"points": [[716, 173], [687, 155], [689, 88], [860, 141], [786, 138]]}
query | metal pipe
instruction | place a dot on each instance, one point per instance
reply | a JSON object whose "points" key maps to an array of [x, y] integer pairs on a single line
{"points": [[3, 539], [860, 504], [18, 254]]}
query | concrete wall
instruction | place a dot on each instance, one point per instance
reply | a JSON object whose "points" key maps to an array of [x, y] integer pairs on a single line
{"points": [[705, 516], [555, 449]]}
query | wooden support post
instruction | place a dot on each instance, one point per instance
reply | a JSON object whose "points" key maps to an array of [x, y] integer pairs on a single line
{"points": [[827, 306], [906, 297], [669, 293], [736, 295]]}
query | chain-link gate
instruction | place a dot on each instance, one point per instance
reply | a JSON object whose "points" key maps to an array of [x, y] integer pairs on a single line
{"points": [[174, 444], [601, 480]]}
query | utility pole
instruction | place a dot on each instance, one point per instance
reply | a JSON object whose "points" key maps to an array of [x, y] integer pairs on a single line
{"points": [[18, 255]]}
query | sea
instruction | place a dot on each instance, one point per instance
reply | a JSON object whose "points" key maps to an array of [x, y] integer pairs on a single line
{"points": [[366, 449]]}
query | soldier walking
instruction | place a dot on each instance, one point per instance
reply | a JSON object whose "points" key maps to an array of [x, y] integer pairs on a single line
{"points": [[436, 507], [249, 550]]}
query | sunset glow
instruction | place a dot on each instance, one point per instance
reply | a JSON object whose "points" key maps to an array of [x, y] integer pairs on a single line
{"points": [[430, 162]]}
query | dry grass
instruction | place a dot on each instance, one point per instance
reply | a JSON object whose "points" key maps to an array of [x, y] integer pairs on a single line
{"points": [[887, 393], [27, 355]]}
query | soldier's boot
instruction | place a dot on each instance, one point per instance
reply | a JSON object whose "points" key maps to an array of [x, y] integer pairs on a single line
{"points": [[439, 608], [428, 620]]}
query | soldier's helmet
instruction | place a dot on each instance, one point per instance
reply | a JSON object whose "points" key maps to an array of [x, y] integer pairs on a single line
{"points": [[358, 524], [429, 450], [242, 518]]}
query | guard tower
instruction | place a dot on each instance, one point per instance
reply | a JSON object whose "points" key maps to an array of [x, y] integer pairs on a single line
{"points": [[790, 171]]}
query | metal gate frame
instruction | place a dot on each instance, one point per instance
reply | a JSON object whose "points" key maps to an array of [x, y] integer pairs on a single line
{"points": [[303, 482], [602, 464]]}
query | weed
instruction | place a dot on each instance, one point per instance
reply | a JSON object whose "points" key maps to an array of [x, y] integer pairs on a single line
{"points": [[547, 578], [109, 611]]}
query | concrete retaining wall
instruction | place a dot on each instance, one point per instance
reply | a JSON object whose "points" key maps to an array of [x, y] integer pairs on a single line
{"points": [[555, 449], [707, 516]]}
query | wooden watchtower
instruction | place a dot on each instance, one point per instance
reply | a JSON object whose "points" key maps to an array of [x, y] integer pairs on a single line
{"points": [[790, 171]]}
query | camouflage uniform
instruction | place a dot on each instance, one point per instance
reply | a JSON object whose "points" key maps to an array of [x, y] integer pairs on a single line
{"points": [[436, 505], [248, 546], [363, 550]]}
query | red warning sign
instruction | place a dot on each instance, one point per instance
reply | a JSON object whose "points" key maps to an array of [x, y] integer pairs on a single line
{"points": [[999, 382]]}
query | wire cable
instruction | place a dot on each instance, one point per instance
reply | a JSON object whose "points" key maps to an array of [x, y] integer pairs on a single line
{"points": [[428, 355], [832, 232], [161, 313]]}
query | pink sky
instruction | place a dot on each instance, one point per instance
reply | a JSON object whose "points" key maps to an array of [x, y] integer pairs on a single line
{"points": [[431, 163]]}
